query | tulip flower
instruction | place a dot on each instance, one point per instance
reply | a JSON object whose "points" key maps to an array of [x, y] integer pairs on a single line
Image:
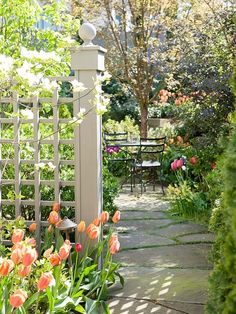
{"points": [[24, 271], [64, 251], [6, 267], [31, 241], [53, 217], [29, 257], [174, 165], [32, 227], [56, 207], [113, 238], [17, 235], [115, 247], [213, 165], [48, 252], [179, 163], [97, 222], [116, 216], [92, 231], [193, 160], [78, 247], [55, 259], [45, 280], [16, 256], [81, 226], [104, 217], [18, 298]]}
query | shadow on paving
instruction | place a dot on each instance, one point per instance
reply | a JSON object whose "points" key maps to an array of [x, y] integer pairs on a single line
{"points": [[165, 262]]}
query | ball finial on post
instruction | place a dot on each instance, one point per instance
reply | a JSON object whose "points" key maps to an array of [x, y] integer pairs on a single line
{"points": [[87, 33]]}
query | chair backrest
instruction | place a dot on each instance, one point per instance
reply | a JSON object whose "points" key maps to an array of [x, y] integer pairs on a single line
{"points": [[112, 138], [151, 148]]}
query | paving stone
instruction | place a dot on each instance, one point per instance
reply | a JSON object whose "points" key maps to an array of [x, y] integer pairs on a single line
{"points": [[120, 306], [142, 239], [179, 229], [146, 202], [199, 237], [184, 256], [150, 226], [181, 287], [129, 306], [142, 215]]}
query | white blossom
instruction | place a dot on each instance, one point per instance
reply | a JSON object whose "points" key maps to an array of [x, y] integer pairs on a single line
{"points": [[26, 113], [78, 86]]}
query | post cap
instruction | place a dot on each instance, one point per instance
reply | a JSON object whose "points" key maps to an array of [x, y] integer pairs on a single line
{"points": [[87, 33]]}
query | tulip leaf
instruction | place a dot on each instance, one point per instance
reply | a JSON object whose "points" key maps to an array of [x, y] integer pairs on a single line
{"points": [[31, 300], [122, 281], [79, 308], [105, 308]]}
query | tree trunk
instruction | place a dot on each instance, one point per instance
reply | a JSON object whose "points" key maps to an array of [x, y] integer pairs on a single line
{"points": [[144, 115]]}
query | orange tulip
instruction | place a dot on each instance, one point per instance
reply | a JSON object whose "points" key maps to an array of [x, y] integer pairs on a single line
{"points": [[18, 298], [16, 256], [55, 259], [53, 217], [17, 235], [113, 238], [32, 227], [29, 257], [48, 252], [116, 216], [6, 267], [44, 281], [93, 231], [24, 271], [104, 217], [115, 247], [64, 251], [56, 207], [81, 226], [97, 222]]}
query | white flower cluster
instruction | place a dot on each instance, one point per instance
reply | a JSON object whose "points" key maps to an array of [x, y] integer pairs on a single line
{"points": [[78, 86], [42, 55], [6, 63]]}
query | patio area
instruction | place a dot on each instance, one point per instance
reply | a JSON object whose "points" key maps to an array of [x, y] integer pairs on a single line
{"points": [[164, 259]]}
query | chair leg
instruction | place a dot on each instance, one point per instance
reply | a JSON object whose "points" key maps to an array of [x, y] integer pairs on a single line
{"points": [[161, 177], [141, 181]]}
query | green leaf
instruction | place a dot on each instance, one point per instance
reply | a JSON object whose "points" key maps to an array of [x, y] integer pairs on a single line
{"points": [[105, 308], [31, 300], [122, 281], [79, 308]]}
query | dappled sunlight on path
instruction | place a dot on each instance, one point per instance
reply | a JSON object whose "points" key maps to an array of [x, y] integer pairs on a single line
{"points": [[164, 260]]}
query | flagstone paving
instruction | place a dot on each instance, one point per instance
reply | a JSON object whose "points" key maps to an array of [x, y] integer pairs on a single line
{"points": [[164, 259]]}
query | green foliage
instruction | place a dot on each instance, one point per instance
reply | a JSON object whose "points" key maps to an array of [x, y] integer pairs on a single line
{"points": [[222, 282], [188, 203], [127, 125], [110, 190], [122, 102]]}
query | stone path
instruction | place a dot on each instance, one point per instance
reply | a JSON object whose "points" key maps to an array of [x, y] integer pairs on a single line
{"points": [[164, 260]]}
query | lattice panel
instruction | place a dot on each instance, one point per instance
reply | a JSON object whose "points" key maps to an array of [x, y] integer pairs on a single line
{"points": [[37, 157]]}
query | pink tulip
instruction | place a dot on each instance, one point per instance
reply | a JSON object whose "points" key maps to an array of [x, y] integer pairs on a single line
{"points": [[174, 165], [180, 163]]}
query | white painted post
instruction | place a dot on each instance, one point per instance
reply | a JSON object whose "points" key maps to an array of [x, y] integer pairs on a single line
{"points": [[88, 62]]}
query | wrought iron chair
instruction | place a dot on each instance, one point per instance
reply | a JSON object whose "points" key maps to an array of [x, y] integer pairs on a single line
{"points": [[149, 159], [113, 145]]}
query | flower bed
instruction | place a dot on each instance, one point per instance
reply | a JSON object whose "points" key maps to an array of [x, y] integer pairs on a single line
{"points": [[66, 278]]}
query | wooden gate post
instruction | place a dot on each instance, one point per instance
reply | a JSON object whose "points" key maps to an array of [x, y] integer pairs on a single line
{"points": [[88, 62]]}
